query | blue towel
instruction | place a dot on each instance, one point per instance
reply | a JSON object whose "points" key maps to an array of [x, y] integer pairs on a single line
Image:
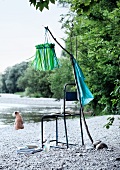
{"points": [[85, 96]]}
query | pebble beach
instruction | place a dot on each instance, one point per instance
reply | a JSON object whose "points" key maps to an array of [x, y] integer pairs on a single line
{"points": [[76, 157]]}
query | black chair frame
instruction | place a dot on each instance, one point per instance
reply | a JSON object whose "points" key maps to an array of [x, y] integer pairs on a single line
{"points": [[68, 96]]}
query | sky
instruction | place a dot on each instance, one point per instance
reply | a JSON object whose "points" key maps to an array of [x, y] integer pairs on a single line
{"points": [[22, 28]]}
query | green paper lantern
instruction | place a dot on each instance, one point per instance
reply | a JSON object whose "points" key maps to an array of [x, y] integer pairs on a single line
{"points": [[45, 57]]}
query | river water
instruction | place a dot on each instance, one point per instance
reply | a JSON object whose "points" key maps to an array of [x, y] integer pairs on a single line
{"points": [[31, 109]]}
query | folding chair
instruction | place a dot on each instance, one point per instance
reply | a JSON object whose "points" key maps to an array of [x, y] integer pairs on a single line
{"points": [[68, 96]]}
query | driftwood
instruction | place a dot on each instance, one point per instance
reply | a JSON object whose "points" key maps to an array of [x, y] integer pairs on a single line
{"points": [[81, 113], [87, 130]]}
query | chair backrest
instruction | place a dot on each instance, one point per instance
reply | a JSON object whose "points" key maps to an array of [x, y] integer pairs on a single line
{"points": [[71, 96], [68, 96]]}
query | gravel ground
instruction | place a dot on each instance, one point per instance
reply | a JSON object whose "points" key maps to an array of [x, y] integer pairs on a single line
{"points": [[75, 158]]}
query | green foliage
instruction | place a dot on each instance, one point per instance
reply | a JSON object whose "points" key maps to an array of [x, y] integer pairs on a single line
{"points": [[82, 7], [115, 97], [35, 83], [110, 122], [10, 77], [42, 4], [60, 77], [98, 50], [1, 83]]}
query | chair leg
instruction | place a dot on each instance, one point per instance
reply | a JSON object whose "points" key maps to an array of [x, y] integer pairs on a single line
{"points": [[65, 126], [56, 131], [42, 132], [66, 132]]}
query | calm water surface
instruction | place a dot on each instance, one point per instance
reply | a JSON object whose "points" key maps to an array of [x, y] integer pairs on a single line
{"points": [[31, 108]]}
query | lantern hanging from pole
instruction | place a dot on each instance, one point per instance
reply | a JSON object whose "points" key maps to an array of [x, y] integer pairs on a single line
{"points": [[45, 57]]}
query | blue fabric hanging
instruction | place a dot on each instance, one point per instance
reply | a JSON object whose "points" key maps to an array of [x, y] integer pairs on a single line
{"points": [[85, 96]]}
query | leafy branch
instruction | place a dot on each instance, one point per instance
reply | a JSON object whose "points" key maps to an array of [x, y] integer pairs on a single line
{"points": [[41, 4], [110, 122]]}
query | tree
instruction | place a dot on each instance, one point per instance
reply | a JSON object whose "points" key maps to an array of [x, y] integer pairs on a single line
{"points": [[79, 6], [10, 77], [1, 83], [98, 36], [41, 4], [60, 77], [35, 83]]}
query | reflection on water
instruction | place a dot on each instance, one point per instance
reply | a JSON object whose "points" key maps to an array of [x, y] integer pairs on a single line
{"points": [[29, 115], [31, 109]]}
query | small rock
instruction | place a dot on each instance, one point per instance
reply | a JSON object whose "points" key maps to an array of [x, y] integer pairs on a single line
{"points": [[117, 159], [80, 154], [94, 164], [101, 145], [96, 143]]}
